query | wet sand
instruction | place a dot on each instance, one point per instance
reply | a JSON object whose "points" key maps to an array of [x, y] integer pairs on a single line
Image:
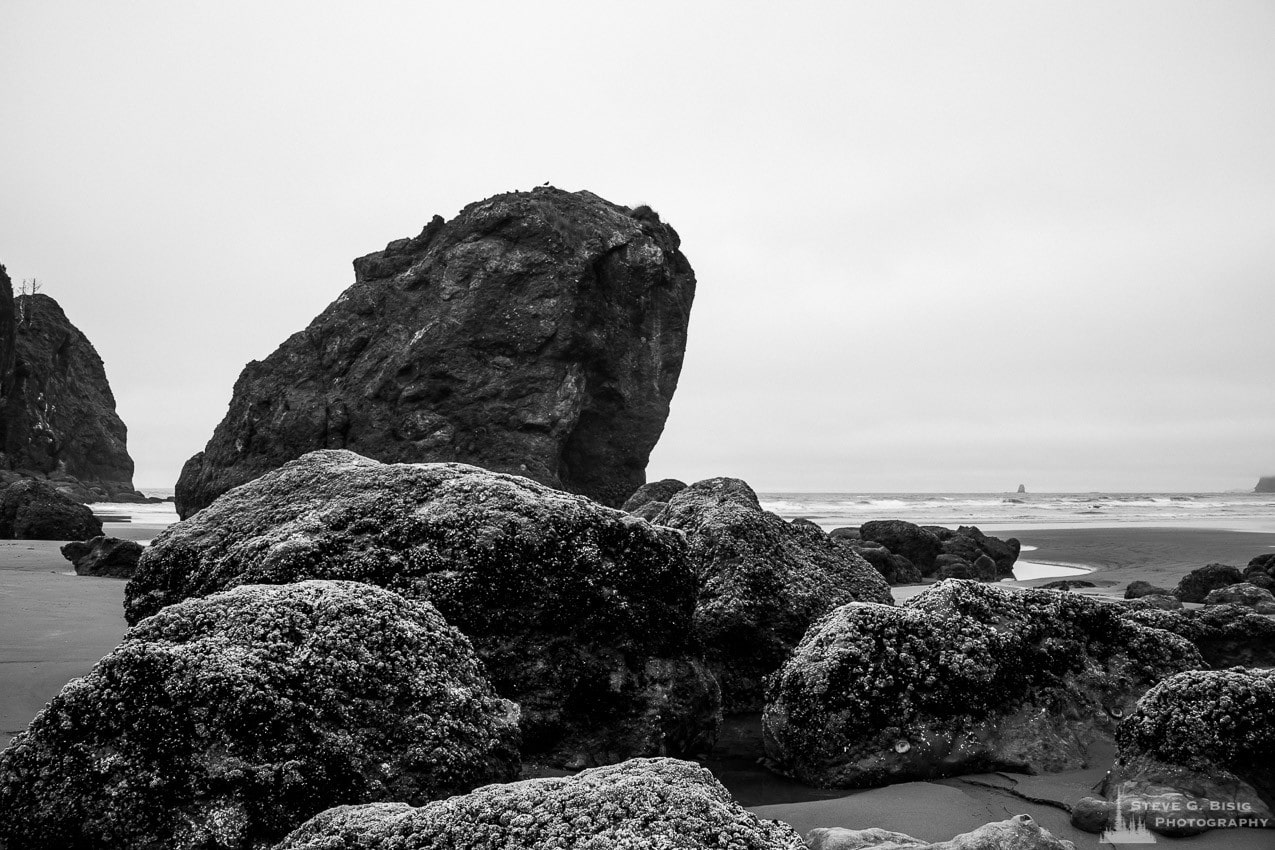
{"points": [[55, 625]]}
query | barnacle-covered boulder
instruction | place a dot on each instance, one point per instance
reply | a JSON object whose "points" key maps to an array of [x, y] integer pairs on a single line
{"points": [[642, 804], [1245, 594], [1206, 738], [964, 677], [581, 613], [763, 581], [1225, 635], [225, 722], [1020, 832]]}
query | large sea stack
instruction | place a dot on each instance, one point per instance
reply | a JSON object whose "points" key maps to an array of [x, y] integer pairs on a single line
{"points": [[1265, 484], [57, 413], [537, 333]]}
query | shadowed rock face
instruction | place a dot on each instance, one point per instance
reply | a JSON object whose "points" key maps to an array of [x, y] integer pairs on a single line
{"points": [[639, 804], [581, 613], [763, 581], [222, 723], [57, 413], [537, 333], [962, 678], [1265, 484]]}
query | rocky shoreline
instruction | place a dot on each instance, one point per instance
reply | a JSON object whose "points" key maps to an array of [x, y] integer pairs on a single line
{"points": [[1082, 637]]}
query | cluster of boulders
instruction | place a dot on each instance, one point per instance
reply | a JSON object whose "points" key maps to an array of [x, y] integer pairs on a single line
{"points": [[1214, 584], [907, 553], [581, 614]]}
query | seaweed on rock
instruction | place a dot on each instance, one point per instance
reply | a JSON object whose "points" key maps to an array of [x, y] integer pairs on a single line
{"points": [[225, 722]]}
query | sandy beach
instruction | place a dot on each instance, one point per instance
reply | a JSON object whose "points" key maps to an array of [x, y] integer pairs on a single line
{"points": [[55, 625]]}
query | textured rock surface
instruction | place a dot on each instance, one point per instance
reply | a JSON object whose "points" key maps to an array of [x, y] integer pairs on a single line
{"points": [[655, 491], [1225, 635], [581, 613], [964, 677], [225, 722], [1020, 832], [57, 413], [1208, 736], [762, 582], [103, 556], [643, 804], [1240, 594], [31, 509], [539, 333], [1196, 584], [1163, 601]]}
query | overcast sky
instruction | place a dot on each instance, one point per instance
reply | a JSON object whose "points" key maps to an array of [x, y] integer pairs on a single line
{"points": [[940, 246]]}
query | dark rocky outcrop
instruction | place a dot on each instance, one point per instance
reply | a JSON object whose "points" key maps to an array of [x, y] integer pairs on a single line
{"points": [[1139, 589], [227, 721], [654, 491], [103, 556], [581, 613], [964, 677], [1066, 584], [1020, 832], [1225, 635], [643, 803], [762, 582], [1265, 484], [895, 569], [31, 509], [970, 544], [57, 413], [1202, 743], [918, 545], [537, 333], [941, 552], [1195, 585]]}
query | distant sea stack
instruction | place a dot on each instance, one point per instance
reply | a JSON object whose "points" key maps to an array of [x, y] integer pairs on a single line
{"points": [[1265, 484], [57, 413], [537, 333]]}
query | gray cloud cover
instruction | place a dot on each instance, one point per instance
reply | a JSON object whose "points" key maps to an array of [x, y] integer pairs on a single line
{"points": [[940, 246]]}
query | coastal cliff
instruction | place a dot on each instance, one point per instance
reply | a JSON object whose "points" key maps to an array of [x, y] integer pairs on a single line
{"points": [[57, 412], [1265, 484], [537, 333]]}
